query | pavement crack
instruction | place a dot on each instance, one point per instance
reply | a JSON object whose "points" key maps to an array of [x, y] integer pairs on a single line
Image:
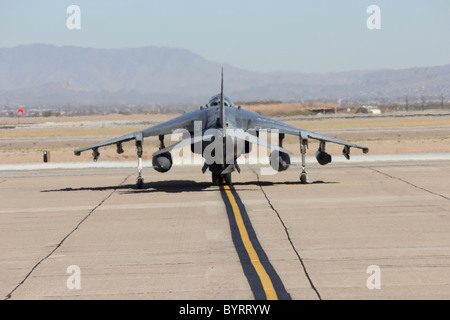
{"points": [[65, 238], [288, 237], [409, 183]]}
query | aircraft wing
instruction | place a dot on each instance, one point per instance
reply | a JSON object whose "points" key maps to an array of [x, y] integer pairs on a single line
{"points": [[264, 123], [118, 140], [185, 121], [325, 138]]}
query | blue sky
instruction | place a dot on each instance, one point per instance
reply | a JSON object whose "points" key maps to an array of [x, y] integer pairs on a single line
{"points": [[259, 35]]}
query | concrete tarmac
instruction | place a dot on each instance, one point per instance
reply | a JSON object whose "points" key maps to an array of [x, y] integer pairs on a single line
{"points": [[61, 228]]}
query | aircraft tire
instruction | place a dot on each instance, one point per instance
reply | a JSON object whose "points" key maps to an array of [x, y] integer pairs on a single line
{"points": [[227, 179], [216, 179], [303, 178]]}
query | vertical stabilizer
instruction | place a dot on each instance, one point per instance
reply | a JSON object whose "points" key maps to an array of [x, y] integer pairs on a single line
{"points": [[222, 106]]}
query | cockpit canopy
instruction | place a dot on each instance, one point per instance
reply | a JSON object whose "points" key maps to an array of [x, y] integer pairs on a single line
{"points": [[215, 101]]}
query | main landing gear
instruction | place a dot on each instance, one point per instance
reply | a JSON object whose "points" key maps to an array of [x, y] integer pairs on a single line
{"points": [[221, 174], [221, 179]]}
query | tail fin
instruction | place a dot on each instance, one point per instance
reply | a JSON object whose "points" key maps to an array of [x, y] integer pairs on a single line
{"points": [[222, 106]]}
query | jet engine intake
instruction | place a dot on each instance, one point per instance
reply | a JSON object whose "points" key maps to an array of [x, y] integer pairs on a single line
{"points": [[279, 161], [162, 162], [323, 158]]}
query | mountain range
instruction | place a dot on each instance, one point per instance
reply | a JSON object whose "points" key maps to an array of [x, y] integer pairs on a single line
{"points": [[41, 74]]}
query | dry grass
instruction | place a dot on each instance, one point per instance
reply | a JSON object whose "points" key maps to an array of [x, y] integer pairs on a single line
{"points": [[365, 123], [68, 132], [288, 109]]}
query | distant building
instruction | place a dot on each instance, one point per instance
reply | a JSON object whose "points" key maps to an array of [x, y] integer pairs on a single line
{"points": [[373, 109]]}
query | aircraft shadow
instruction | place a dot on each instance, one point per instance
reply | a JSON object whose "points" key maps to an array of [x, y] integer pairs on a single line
{"points": [[270, 183], [127, 186], [171, 186], [174, 186], [178, 186]]}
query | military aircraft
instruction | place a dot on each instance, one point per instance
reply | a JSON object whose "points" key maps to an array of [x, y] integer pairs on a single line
{"points": [[221, 133]]}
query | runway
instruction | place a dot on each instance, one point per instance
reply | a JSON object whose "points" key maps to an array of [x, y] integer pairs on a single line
{"points": [[173, 239]]}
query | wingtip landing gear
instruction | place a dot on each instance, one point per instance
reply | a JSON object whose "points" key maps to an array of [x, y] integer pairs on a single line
{"points": [[303, 178], [140, 182], [303, 146], [139, 149]]}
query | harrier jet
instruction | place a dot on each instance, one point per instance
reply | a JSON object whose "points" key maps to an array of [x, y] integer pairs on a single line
{"points": [[221, 133]]}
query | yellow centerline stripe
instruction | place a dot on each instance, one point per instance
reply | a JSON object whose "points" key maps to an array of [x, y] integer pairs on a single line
{"points": [[265, 279]]}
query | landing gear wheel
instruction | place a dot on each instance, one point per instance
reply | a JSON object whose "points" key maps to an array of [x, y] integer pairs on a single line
{"points": [[140, 183], [216, 179], [303, 178], [227, 179]]}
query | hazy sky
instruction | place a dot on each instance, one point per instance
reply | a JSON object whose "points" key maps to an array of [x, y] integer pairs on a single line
{"points": [[260, 35]]}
